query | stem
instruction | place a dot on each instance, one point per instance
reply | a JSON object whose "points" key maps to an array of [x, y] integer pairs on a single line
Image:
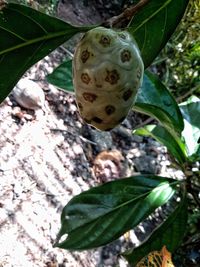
{"points": [[189, 93], [125, 16]]}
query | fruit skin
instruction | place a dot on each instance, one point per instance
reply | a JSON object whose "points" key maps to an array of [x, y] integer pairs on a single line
{"points": [[107, 73]]}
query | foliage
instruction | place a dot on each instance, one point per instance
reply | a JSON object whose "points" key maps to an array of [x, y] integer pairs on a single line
{"points": [[168, 233], [101, 214], [179, 61], [112, 208], [45, 6]]}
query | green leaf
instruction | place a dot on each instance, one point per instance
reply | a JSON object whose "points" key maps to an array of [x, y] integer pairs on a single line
{"points": [[174, 144], [62, 76], [27, 36], [170, 233], [191, 133], [153, 25], [102, 214], [155, 100]]}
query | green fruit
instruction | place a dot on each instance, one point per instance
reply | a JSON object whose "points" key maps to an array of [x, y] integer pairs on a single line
{"points": [[107, 73]]}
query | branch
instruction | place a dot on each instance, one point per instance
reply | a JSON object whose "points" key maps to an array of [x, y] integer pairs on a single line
{"points": [[125, 16], [187, 94]]}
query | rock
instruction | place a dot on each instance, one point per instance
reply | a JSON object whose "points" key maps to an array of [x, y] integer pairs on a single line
{"points": [[103, 140], [29, 94]]}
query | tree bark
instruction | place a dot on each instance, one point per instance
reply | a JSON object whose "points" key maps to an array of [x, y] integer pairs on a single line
{"points": [[85, 12]]}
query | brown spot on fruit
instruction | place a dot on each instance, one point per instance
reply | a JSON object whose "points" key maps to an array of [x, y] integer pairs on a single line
{"points": [[125, 55], [127, 94], [89, 97], [85, 55], [109, 109], [105, 40], [85, 78], [112, 77], [97, 120]]}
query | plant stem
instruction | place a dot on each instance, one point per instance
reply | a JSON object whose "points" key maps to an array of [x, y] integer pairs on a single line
{"points": [[125, 16], [187, 94]]}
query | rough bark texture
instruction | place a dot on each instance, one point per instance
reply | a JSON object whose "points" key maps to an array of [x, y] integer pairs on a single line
{"points": [[88, 11]]}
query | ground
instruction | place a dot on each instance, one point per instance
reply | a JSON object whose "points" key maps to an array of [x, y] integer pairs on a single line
{"points": [[49, 156]]}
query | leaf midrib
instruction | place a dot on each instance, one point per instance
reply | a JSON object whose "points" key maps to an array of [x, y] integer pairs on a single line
{"points": [[35, 40], [152, 15], [163, 184]]}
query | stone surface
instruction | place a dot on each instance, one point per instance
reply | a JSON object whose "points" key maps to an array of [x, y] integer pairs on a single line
{"points": [[29, 94]]}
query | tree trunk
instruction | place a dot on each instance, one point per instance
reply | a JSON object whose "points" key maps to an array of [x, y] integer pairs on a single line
{"points": [[85, 12]]}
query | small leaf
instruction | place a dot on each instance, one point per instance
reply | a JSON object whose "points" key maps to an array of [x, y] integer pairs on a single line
{"points": [[174, 144], [27, 36], [191, 133], [153, 25], [170, 234], [62, 76], [155, 100], [102, 214]]}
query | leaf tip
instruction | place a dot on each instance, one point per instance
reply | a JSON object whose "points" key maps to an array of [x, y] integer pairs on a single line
{"points": [[61, 237]]}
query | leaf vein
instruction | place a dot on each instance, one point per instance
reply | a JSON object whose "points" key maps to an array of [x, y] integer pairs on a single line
{"points": [[11, 32], [30, 18], [32, 41], [153, 14]]}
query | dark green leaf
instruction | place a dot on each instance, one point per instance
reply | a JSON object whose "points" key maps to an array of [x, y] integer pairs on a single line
{"points": [[156, 101], [170, 233], [191, 133], [26, 37], [154, 24], [174, 144], [62, 76], [102, 214]]}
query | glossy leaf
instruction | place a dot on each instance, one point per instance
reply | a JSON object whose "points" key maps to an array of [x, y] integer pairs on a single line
{"points": [[27, 36], [153, 25], [191, 133], [170, 234], [102, 214], [174, 144], [62, 76], [155, 100]]}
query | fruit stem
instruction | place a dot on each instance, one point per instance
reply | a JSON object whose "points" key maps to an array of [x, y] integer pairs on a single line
{"points": [[125, 16]]}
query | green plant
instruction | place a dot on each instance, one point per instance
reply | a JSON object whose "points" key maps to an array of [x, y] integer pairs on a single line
{"points": [[179, 61], [101, 214]]}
